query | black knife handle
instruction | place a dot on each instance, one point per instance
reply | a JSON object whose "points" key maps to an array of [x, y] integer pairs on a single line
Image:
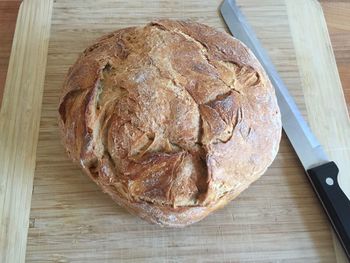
{"points": [[324, 179]]}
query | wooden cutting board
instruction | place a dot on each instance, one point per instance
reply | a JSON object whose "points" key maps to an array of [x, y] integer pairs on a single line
{"points": [[70, 220]]}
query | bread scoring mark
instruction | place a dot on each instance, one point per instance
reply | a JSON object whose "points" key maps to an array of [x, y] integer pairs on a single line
{"points": [[238, 70], [121, 50], [122, 46], [204, 50], [174, 147], [106, 75], [91, 48], [99, 91], [158, 25], [93, 167], [225, 132], [220, 116], [71, 95], [187, 91], [96, 45], [109, 90], [141, 145], [247, 76], [100, 103], [197, 147]]}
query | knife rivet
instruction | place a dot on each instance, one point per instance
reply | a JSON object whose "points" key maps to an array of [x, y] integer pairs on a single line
{"points": [[329, 181]]}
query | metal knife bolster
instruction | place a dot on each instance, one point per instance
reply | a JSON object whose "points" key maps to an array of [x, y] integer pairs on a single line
{"points": [[321, 173]]}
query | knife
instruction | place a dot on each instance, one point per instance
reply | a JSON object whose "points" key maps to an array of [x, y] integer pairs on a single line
{"points": [[322, 173]]}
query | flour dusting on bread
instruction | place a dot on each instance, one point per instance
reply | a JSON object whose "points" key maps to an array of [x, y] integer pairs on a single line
{"points": [[172, 120]]}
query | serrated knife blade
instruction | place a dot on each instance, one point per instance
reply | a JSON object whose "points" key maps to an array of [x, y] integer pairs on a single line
{"points": [[321, 172]]}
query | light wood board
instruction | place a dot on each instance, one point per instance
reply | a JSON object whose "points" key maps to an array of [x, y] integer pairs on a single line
{"points": [[19, 125], [277, 219], [322, 107], [337, 15]]}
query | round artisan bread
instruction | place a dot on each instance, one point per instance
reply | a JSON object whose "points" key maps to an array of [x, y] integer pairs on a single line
{"points": [[172, 120]]}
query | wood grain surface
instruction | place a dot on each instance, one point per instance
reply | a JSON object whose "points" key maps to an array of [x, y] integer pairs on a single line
{"points": [[19, 125], [336, 12], [327, 100], [277, 218]]}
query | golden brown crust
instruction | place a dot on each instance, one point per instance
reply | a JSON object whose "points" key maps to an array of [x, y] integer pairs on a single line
{"points": [[172, 120]]}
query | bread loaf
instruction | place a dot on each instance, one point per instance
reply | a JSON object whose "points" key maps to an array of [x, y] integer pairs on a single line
{"points": [[172, 120]]}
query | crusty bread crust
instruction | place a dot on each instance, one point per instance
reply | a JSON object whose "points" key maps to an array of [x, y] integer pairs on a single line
{"points": [[172, 120]]}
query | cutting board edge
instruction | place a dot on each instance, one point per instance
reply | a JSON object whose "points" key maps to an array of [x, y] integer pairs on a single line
{"points": [[327, 79], [22, 19], [19, 124]]}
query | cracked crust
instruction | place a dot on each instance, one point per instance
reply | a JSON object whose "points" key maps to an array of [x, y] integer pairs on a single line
{"points": [[172, 120]]}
